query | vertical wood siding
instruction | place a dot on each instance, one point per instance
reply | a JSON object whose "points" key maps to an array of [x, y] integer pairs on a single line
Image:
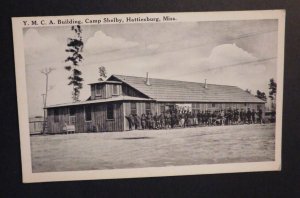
{"points": [[101, 91], [109, 90], [79, 126], [63, 117], [100, 122], [129, 91], [103, 124], [104, 91]]}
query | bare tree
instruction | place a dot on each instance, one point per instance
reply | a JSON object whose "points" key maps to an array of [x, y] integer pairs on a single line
{"points": [[46, 72]]}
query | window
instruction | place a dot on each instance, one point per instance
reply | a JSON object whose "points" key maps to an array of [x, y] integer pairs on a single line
{"points": [[115, 90], [258, 107], [133, 108], [213, 105], [99, 88], [162, 108], [56, 115], [72, 112], [110, 111], [195, 107], [148, 108], [88, 113]]}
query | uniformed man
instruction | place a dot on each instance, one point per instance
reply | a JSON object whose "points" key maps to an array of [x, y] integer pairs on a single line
{"points": [[143, 121], [162, 120], [260, 116], [130, 119], [253, 116], [148, 121], [137, 121], [156, 121], [173, 119], [248, 114], [168, 120]]}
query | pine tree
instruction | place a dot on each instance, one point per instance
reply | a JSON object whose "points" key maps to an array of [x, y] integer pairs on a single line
{"points": [[273, 89], [272, 93], [248, 91], [261, 95], [102, 73], [75, 47]]}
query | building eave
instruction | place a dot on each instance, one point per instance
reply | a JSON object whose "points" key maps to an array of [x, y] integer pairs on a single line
{"points": [[106, 82], [114, 99], [207, 101]]}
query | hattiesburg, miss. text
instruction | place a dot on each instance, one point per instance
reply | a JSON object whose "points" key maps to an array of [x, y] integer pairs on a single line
{"points": [[104, 20]]}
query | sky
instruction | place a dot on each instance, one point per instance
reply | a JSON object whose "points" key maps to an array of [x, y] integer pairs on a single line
{"points": [[239, 53]]}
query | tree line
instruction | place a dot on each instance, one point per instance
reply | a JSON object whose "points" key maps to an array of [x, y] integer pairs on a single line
{"points": [[272, 93]]}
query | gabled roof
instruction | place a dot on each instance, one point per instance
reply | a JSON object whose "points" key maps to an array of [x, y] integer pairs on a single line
{"points": [[182, 91]]}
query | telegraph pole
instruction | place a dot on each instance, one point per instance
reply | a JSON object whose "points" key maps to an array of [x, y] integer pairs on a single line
{"points": [[46, 72]]}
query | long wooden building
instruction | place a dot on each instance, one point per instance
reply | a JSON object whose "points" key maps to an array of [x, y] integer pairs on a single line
{"points": [[120, 95]]}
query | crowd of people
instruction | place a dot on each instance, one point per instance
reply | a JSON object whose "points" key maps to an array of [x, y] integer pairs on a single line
{"points": [[175, 118]]}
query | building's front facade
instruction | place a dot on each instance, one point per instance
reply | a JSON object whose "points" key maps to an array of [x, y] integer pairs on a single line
{"points": [[119, 96]]}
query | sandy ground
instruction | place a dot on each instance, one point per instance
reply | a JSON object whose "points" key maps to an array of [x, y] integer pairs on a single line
{"points": [[153, 148]]}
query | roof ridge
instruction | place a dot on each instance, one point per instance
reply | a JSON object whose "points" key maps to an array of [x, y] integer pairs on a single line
{"points": [[173, 80]]}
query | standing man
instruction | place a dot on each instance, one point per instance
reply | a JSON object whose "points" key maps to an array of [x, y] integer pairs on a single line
{"points": [[229, 114], [222, 117], [253, 116], [156, 121], [143, 121], [130, 121], [137, 121], [260, 116], [248, 114], [149, 121], [168, 120], [173, 119], [162, 120], [236, 116]]}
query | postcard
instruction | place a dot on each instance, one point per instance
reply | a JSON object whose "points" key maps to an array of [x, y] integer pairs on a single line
{"points": [[149, 95]]}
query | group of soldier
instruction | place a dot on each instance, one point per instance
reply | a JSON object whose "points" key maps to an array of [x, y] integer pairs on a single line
{"points": [[175, 118]]}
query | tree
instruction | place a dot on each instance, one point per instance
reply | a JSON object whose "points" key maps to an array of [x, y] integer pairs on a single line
{"points": [[75, 47], [248, 91], [273, 89], [102, 73], [272, 92], [46, 72], [261, 95]]}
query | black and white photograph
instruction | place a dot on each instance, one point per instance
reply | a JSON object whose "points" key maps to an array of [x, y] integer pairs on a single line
{"points": [[148, 95]]}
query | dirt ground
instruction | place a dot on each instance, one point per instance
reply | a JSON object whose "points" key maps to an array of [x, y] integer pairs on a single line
{"points": [[153, 148]]}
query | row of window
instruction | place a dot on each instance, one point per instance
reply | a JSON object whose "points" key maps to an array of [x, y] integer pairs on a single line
{"points": [[87, 113], [100, 87], [109, 111], [133, 108]]}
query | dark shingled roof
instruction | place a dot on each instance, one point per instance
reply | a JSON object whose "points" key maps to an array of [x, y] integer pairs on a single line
{"points": [[182, 91]]}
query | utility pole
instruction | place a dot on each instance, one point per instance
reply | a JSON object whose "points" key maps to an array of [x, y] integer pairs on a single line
{"points": [[46, 72]]}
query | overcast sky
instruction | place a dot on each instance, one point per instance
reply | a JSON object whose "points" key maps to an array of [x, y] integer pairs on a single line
{"points": [[240, 53]]}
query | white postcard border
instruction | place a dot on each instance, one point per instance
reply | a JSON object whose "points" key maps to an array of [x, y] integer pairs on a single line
{"points": [[28, 176]]}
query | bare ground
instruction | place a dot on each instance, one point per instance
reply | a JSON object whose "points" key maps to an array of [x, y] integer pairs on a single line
{"points": [[153, 148]]}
